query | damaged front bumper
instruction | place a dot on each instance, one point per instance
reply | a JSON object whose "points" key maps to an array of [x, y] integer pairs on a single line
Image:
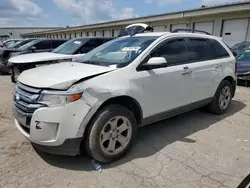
{"points": [[53, 129]]}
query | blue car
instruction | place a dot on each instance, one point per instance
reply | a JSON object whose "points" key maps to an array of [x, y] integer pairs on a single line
{"points": [[243, 66]]}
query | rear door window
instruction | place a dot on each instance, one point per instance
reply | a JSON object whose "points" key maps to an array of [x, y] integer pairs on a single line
{"points": [[199, 50], [56, 43], [90, 45], [42, 45]]}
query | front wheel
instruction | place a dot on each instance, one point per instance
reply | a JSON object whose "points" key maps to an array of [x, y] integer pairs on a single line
{"points": [[222, 98], [111, 133]]}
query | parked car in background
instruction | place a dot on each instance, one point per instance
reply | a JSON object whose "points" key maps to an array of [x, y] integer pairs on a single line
{"points": [[39, 45], [71, 49], [243, 66], [25, 47], [237, 48], [21, 43], [9, 42], [5, 52], [126, 83]]}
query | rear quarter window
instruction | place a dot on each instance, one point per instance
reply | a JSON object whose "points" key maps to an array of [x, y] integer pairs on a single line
{"points": [[218, 49]]}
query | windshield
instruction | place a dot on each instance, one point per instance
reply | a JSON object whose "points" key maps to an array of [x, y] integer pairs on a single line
{"points": [[239, 46], [20, 43], [9, 43], [14, 44], [70, 47], [121, 51], [29, 44], [244, 56]]}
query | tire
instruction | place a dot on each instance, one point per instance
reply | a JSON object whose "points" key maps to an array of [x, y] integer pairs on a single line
{"points": [[102, 127], [215, 106]]}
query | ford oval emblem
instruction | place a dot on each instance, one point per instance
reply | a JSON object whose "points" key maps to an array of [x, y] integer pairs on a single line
{"points": [[17, 97]]}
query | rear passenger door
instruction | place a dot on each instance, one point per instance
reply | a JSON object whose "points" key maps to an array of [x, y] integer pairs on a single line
{"points": [[206, 59], [168, 88]]}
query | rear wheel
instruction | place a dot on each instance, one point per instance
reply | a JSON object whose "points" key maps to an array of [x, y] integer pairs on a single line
{"points": [[111, 133], [222, 98]]}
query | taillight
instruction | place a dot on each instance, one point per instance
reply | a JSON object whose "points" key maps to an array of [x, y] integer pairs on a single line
{"points": [[235, 68]]}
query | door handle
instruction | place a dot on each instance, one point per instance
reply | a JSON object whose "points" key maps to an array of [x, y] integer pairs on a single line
{"points": [[218, 66], [186, 71]]}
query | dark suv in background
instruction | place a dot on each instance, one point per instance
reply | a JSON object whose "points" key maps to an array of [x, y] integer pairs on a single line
{"points": [[39, 45], [25, 47], [238, 48]]}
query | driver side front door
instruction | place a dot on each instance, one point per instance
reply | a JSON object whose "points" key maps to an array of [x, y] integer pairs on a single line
{"points": [[167, 89]]}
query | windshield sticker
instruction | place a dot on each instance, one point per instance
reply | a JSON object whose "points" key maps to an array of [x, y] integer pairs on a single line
{"points": [[77, 42], [113, 66], [128, 49]]}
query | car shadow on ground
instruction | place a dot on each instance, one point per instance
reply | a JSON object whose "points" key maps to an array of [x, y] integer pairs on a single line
{"points": [[152, 138]]}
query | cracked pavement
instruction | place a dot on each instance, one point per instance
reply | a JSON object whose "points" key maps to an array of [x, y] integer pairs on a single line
{"points": [[196, 149]]}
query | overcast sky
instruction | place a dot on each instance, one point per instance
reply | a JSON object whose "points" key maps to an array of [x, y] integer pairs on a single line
{"points": [[79, 12]]}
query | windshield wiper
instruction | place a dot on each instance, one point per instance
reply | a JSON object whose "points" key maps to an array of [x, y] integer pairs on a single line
{"points": [[91, 62]]}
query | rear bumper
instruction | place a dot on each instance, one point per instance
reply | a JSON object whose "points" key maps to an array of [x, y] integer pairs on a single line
{"points": [[70, 147]]}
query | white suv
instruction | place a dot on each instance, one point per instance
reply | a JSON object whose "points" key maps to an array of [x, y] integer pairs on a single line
{"points": [[121, 85]]}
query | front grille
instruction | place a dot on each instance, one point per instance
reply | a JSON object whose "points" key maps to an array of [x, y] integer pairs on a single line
{"points": [[25, 104]]}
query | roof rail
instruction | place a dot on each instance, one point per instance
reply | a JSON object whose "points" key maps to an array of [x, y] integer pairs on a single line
{"points": [[192, 30]]}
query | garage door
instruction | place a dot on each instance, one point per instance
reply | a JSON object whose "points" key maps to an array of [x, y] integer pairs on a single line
{"points": [[234, 31], [205, 26], [98, 33], [178, 26], [159, 28], [78, 35], [106, 33]]}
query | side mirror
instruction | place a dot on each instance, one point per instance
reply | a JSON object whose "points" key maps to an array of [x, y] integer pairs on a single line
{"points": [[235, 54], [33, 48], [155, 63]]}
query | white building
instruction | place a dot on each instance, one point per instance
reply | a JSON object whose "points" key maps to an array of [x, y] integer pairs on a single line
{"points": [[230, 21], [16, 32]]}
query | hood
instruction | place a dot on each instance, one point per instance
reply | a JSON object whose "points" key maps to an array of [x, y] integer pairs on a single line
{"points": [[38, 57], [60, 76]]}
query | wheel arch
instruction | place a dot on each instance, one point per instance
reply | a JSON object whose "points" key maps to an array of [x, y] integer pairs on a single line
{"points": [[124, 100], [232, 81], [128, 102]]}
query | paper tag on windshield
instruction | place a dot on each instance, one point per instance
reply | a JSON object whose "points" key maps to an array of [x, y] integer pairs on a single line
{"points": [[77, 42], [113, 66], [128, 49]]}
